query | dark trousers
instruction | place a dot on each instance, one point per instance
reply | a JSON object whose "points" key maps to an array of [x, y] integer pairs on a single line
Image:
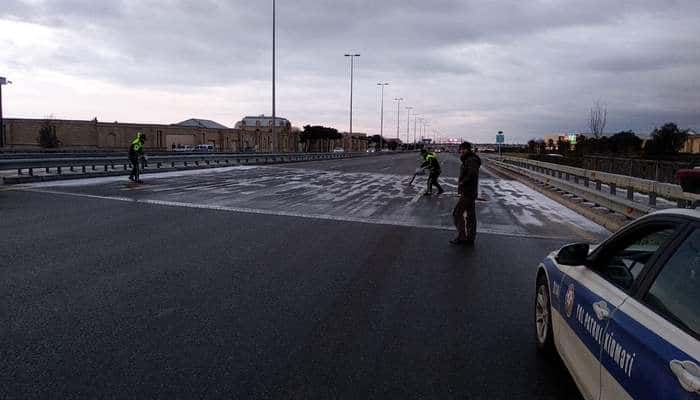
{"points": [[465, 229], [433, 181], [134, 168]]}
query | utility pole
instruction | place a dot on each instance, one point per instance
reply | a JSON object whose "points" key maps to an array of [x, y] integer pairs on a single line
{"points": [[415, 126], [352, 71], [381, 128]]}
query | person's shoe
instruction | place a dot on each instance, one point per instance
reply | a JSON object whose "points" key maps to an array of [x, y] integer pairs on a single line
{"points": [[131, 177], [441, 191], [459, 241], [428, 194]]}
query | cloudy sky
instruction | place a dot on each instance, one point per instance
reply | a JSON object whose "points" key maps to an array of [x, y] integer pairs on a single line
{"points": [[469, 67]]}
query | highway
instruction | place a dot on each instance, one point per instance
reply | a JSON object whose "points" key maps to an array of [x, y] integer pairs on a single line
{"points": [[330, 279]]}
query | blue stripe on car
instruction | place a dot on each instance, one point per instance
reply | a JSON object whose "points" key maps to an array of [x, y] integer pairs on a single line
{"points": [[651, 352]]}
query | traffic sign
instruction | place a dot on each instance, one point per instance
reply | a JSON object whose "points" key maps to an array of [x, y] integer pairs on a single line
{"points": [[500, 138]]}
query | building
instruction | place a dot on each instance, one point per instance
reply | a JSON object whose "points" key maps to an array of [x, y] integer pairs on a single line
{"points": [[257, 134], [692, 143], [21, 133], [201, 123]]}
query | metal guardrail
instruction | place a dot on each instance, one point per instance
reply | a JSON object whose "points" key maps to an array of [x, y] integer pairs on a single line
{"points": [[601, 187], [85, 165]]}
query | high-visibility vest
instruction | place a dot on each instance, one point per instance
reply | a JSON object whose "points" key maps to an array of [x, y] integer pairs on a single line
{"points": [[136, 143]]}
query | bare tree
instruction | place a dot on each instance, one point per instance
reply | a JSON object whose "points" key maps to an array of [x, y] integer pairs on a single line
{"points": [[598, 119]]}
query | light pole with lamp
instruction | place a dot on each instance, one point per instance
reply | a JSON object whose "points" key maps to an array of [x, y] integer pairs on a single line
{"points": [[352, 71], [408, 125], [381, 125], [398, 101], [3, 81], [415, 127], [274, 111]]}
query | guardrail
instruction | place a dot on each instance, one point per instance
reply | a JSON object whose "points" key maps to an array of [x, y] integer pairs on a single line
{"points": [[56, 168], [603, 188]]}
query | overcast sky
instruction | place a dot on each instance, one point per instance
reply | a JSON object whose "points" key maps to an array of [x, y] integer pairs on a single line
{"points": [[470, 67]]}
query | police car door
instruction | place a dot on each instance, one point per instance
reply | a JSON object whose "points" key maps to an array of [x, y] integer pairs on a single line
{"points": [[592, 293], [651, 347]]}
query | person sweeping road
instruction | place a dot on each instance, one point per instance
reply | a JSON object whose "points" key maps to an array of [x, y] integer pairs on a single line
{"points": [[431, 163], [136, 151]]}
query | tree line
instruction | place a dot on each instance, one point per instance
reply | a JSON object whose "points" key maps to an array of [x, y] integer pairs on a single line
{"points": [[667, 140]]}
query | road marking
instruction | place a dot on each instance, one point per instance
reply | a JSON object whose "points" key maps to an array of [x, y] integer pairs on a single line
{"points": [[245, 210]]}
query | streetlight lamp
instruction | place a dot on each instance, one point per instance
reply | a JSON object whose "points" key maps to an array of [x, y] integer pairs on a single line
{"points": [[381, 129], [352, 69], [398, 101], [408, 124], [3, 81]]}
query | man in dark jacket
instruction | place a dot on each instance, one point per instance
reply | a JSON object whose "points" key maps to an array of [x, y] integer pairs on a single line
{"points": [[431, 163], [468, 189], [136, 151]]}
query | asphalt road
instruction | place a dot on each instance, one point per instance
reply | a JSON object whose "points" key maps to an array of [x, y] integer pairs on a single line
{"points": [[274, 282]]}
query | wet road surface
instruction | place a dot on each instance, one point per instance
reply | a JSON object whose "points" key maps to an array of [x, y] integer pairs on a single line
{"points": [[313, 280]]}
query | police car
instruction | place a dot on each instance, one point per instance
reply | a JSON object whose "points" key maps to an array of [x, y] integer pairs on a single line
{"points": [[625, 315]]}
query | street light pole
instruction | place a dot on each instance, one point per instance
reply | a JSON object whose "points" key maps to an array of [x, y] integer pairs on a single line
{"points": [[352, 71], [381, 125], [415, 126], [398, 101], [3, 81], [408, 124], [274, 111]]}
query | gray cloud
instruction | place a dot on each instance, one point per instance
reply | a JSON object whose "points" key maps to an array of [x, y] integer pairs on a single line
{"points": [[472, 67]]}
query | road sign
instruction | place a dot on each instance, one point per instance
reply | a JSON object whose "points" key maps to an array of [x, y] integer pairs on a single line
{"points": [[572, 137], [500, 138]]}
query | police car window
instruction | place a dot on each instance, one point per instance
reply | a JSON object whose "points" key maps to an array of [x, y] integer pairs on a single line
{"points": [[675, 293], [623, 265]]}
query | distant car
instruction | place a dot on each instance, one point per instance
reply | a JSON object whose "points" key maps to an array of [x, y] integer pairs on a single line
{"points": [[184, 148], [204, 147], [385, 150], [339, 150], [625, 315], [371, 150], [689, 180]]}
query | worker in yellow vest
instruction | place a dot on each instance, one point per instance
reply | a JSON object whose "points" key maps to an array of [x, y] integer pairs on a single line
{"points": [[136, 151]]}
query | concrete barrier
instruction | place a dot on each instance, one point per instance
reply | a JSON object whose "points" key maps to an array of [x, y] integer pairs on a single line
{"points": [[602, 188]]}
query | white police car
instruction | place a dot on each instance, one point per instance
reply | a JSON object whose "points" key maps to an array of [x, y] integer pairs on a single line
{"points": [[625, 315]]}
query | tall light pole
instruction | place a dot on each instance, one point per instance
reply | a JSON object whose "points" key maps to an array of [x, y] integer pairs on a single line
{"points": [[398, 101], [425, 128], [274, 110], [408, 124], [415, 125], [3, 81], [352, 71], [381, 125]]}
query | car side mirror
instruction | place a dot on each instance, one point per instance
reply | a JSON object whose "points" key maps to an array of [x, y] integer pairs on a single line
{"points": [[574, 254]]}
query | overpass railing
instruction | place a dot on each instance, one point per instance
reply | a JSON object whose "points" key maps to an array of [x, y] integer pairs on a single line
{"points": [[627, 195], [75, 167]]}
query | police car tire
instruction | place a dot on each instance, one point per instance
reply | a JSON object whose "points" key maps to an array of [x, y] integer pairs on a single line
{"points": [[545, 346]]}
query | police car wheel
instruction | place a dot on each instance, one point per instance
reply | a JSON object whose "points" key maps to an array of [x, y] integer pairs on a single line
{"points": [[543, 317]]}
